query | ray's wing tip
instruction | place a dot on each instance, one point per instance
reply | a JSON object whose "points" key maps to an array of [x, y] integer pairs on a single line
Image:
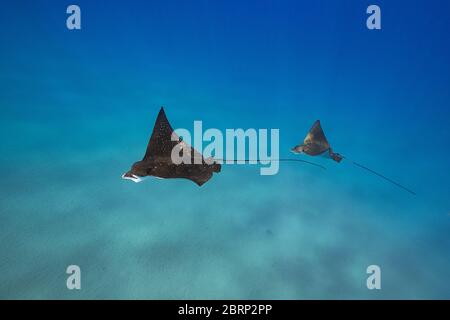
{"points": [[316, 123]]}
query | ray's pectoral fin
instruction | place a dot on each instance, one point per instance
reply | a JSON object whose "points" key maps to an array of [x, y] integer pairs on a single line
{"points": [[198, 173], [161, 143], [316, 136]]}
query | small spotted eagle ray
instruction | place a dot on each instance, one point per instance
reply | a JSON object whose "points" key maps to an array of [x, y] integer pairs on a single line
{"points": [[315, 143]]}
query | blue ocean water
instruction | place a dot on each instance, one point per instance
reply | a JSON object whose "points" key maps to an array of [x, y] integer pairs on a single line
{"points": [[77, 108]]}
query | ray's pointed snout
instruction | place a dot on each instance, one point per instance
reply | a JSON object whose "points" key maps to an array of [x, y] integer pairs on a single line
{"points": [[297, 149], [129, 176]]}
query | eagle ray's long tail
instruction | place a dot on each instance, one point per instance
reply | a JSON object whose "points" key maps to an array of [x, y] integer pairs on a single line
{"points": [[382, 176]]}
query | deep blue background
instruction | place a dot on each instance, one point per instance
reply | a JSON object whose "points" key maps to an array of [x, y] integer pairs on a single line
{"points": [[77, 108]]}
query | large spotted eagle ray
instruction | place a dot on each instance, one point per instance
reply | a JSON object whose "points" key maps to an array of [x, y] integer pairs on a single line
{"points": [[157, 160], [315, 143]]}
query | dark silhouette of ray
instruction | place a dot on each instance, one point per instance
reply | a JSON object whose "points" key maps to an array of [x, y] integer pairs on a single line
{"points": [[315, 143], [158, 162]]}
